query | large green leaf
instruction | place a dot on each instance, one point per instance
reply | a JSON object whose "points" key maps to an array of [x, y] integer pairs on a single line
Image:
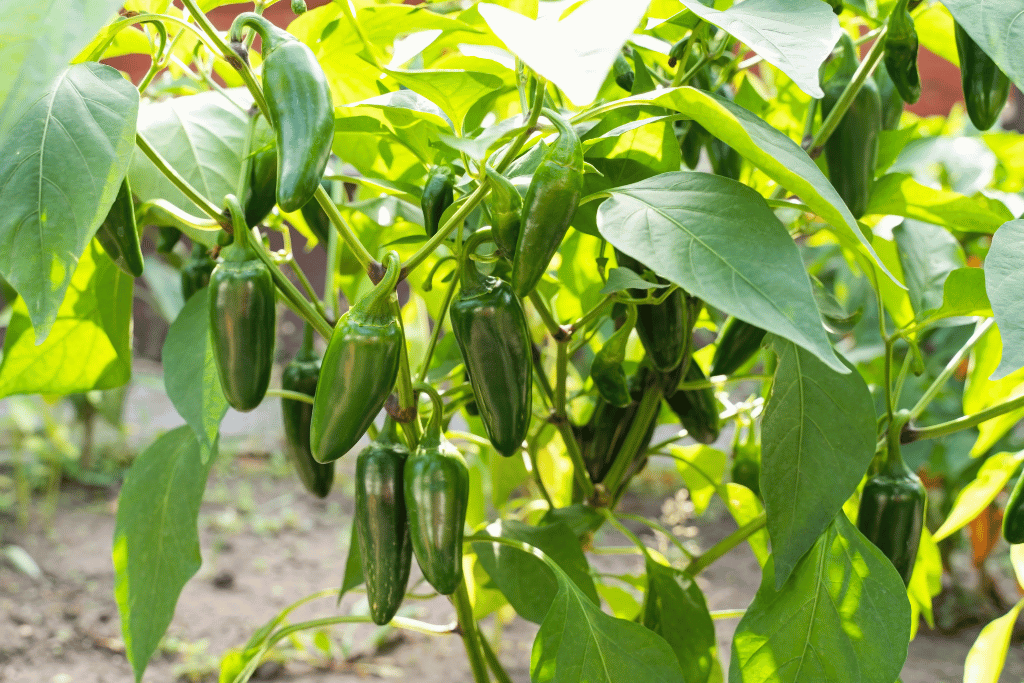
{"points": [[1004, 280], [963, 294], [928, 255], [190, 372], [89, 346], [984, 663], [995, 26], [898, 194], [975, 498], [843, 617], [156, 543], [818, 438], [982, 392], [60, 169], [675, 609], [794, 35], [455, 92], [713, 236]]}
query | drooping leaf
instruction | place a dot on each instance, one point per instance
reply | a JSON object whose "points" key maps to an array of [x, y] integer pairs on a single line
{"points": [[818, 437], [981, 392], [61, 166], [621, 279], [712, 236], [984, 663], [675, 609], [89, 345], [353, 575], [992, 478], [1004, 279], [156, 543], [842, 617]]}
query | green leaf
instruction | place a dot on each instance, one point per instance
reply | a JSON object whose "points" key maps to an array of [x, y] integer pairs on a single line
{"points": [[981, 392], [672, 600], [925, 582], [60, 169], [818, 437], [621, 279], [353, 565], [712, 236], [702, 469], [843, 617], [963, 294], [190, 372], [1003, 281], [1017, 559], [575, 53], [928, 255], [991, 479], [995, 27], [795, 36], [899, 194], [985, 661], [524, 580], [156, 542], [89, 346], [455, 92], [620, 601], [745, 507]]}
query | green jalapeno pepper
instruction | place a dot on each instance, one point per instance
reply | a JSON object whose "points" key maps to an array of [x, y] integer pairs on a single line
{"points": [[438, 195], [697, 409], [663, 328], [901, 53], [505, 206], [737, 343], [262, 190], [301, 375], [606, 371], [118, 234], [986, 87]]}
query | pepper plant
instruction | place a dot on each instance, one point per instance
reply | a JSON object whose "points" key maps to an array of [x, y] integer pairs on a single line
{"points": [[594, 235]]}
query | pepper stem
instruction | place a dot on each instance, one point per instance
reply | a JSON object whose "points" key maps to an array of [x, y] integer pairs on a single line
{"points": [[893, 455], [307, 340], [470, 274], [270, 35], [377, 303], [240, 249], [432, 434]]}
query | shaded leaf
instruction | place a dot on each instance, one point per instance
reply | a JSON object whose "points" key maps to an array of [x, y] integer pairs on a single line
{"points": [[995, 26], [675, 609], [928, 255], [1004, 280]]}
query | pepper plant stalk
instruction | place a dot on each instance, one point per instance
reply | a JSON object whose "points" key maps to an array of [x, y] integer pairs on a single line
{"points": [[726, 544], [179, 182], [470, 635]]}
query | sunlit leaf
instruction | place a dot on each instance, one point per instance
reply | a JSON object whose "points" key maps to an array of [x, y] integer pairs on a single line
{"points": [[992, 478], [981, 392], [984, 663]]}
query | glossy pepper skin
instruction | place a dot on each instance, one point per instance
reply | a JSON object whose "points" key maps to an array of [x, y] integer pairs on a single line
{"points": [[492, 334], [986, 87], [725, 161], [301, 375], [438, 195], [505, 206], [663, 328], [243, 319], [382, 522], [262, 191], [891, 514], [549, 207], [436, 497], [606, 371], [852, 149], [737, 343], [196, 271], [1013, 515], [301, 109], [892, 103], [359, 369], [901, 53], [697, 409], [118, 234], [316, 218]]}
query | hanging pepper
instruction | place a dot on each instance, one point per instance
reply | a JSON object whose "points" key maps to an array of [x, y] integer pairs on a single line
{"points": [[662, 328], [891, 513], [262, 191], [492, 334], [382, 522], [301, 108], [901, 53], [892, 103], [167, 238], [697, 409], [624, 75], [119, 235], [436, 497], [606, 370], [852, 148], [438, 195], [316, 218], [986, 87], [195, 273], [737, 343], [725, 161], [506, 209], [549, 207], [359, 369], [301, 375], [243, 318]]}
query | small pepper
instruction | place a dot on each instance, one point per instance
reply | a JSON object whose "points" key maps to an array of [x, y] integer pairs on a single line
{"points": [[438, 195], [301, 375], [119, 235], [737, 343], [662, 328], [901, 53], [195, 273], [624, 75], [986, 87], [606, 370], [505, 206], [697, 409]]}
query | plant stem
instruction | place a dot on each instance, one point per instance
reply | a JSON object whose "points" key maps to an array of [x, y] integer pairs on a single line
{"points": [[438, 324], [291, 395], [726, 544], [573, 449], [305, 309], [645, 414], [470, 635], [610, 516], [659, 528], [310, 292], [204, 204], [911, 434], [727, 614], [554, 329], [561, 377], [343, 229], [330, 290], [592, 314], [679, 76], [492, 661], [954, 362]]}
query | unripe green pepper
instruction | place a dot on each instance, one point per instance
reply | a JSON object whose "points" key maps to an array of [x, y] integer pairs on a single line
{"points": [[624, 75], [986, 87], [385, 546], [167, 238], [301, 375], [359, 369], [901, 53], [316, 218], [505, 206], [737, 343], [1013, 515], [301, 108], [604, 435], [196, 271], [892, 103], [662, 328], [549, 207], [697, 409], [492, 334], [852, 149], [119, 235], [438, 195], [262, 191], [606, 371], [436, 498], [243, 319]]}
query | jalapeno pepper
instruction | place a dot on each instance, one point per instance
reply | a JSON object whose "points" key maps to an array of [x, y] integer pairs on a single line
{"points": [[606, 371], [195, 273], [662, 328], [623, 72], [262, 191], [697, 409], [119, 235], [986, 87], [901, 53], [605, 434], [737, 343], [506, 209], [301, 375], [438, 195]]}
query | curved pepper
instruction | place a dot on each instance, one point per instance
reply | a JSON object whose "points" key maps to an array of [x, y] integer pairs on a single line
{"points": [[1013, 515], [436, 497], [301, 375], [624, 75], [195, 273], [901, 53], [385, 546], [262, 192], [549, 207], [438, 195], [243, 319], [359, 369], [316, 218], [506, 208], [663, 328], [119, 235], [737, 343], [606, 370], [301, 108], [852, 149], [986, 87], [490, 328], [892, 103], [697, 409], [167, 238]]}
